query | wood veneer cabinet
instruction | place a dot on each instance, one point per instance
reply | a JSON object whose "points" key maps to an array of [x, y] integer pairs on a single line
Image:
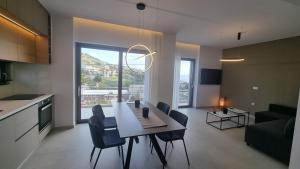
{"points": [[3, 4], [18, 44]]}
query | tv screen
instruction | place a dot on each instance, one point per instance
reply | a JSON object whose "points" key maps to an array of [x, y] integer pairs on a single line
{"points": [[211, 76]]}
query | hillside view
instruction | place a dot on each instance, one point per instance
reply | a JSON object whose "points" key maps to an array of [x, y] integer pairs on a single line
{"points": [[98, 74]]}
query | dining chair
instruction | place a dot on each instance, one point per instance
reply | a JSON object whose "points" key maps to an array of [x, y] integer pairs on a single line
{"points": [[104, 139], [175, 135], [108, 122], [164, 107]]}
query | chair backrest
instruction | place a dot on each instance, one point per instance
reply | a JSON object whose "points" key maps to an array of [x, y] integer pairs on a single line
{"points": [[164, 107], [98, 111], [180, 118], [97, 131]]}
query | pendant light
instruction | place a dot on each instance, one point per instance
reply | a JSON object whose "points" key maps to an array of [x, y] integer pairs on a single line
{"points": [[239, 37], [149, 54]]}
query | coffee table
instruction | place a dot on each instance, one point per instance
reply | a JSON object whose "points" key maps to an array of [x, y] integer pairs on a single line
{"points": [[239, 111], [220, 118]]}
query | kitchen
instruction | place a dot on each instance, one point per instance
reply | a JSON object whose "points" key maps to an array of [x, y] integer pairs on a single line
{"points": [[26, 101]]}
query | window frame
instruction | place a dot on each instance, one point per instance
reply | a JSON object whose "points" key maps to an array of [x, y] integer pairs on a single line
{"points": [[78, 47]]}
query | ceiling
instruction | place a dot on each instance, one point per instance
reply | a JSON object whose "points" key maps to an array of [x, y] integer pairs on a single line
{"points": [[205, 22]]}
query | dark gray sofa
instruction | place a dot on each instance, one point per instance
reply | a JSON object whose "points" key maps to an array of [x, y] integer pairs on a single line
{"points": [[273, 132], [275, 112]]}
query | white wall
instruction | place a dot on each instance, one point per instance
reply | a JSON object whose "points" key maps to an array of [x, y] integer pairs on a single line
{"points": [[185, 50], [62, 70], [295, 155], [208, 95]]}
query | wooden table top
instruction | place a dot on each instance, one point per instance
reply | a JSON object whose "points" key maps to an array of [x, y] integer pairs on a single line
{"points": [[129, 125]]}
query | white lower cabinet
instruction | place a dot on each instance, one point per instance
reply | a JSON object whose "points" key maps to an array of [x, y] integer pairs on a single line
{"points": [[7, 143], [19, 137], [26, 145]]}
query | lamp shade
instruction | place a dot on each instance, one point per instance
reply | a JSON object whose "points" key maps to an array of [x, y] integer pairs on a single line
{"points": [[222, 101]]}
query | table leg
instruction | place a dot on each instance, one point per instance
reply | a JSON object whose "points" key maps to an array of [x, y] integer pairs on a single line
{"points": [[158, 149], [248, 118], [129, 151], [221, 123]]}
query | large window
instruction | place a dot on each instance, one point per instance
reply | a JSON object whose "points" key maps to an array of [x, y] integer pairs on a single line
{"points": [[103, 78]]}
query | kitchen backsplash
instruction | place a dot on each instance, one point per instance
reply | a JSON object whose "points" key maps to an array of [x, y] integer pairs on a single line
{"points": [[27, 78]]}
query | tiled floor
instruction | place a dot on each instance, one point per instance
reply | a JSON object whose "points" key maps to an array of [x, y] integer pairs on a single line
{"points": [[208, 148]]}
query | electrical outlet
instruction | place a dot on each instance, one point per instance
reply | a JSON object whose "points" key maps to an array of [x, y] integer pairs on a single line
{"points": [[252, 103]]}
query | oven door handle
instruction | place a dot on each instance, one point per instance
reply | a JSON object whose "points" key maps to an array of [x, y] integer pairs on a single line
{"points": [[45, 107]]}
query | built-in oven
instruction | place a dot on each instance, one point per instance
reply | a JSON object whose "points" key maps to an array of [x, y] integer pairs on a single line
{"points": [[45, 113]]}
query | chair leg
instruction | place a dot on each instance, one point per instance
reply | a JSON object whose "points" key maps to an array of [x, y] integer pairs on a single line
{"points": [[92, 153], [152, 148], [119, 151], [166, 146], [97, 159], [122, 156], [187, 157]]}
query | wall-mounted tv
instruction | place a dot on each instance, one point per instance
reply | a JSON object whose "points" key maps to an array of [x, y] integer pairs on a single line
{"points": [[211, 76]]}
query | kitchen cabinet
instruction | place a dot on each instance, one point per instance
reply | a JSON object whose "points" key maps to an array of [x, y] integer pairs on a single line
{"points": [[26, 47], [11, 6], [42, 50], [7, 143], [8, 41], [18, 44], [33, 14], [19, 136], [3, 4], [26, 145]]}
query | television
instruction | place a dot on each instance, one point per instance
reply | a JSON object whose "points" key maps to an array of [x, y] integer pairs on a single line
{"points": [[211, 76]]}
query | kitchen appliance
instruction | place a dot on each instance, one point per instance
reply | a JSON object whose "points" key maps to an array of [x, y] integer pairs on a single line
{"points": [[45, 113], [4, 73], [22, 97]]}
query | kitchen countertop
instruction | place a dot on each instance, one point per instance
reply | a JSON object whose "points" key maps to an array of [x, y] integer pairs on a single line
{"points": [[11, 107]]}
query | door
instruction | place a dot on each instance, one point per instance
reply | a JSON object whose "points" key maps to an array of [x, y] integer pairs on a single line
{"points": [[186, 82], [104, 78]]}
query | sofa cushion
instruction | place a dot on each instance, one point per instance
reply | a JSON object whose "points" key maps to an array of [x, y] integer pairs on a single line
{"points": [[286, 110], [269, 116], [288, 130], [273, 128]]}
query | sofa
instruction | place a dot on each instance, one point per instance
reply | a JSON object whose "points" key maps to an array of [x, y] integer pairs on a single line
{"points": [[273, 132], [275, 112]]}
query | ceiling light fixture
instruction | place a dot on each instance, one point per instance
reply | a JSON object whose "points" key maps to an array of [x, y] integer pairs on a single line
{"points": [[18, 24], [232, 60], [149, 55], [239, 37]]}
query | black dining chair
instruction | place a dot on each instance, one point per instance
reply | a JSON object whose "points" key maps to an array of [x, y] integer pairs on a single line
{"points": [[108, 122], [164, 107], [175, 135], [103, 139]]}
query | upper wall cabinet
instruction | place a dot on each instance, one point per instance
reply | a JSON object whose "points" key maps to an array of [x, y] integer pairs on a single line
{"points": [[32, 13], [3, 4], [19, 44]]}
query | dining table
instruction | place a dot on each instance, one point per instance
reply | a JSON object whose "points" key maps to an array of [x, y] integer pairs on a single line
{"points": [[131, 124]]}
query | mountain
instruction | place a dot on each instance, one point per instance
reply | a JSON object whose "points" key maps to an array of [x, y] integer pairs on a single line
{"points": [[87, 59]]}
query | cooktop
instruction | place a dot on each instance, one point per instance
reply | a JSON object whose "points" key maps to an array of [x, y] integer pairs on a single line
{"points": [[22, 97]]}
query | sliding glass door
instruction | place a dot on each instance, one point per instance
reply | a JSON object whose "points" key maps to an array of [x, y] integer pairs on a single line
{"points": [[186, 82], [104, 78]]}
